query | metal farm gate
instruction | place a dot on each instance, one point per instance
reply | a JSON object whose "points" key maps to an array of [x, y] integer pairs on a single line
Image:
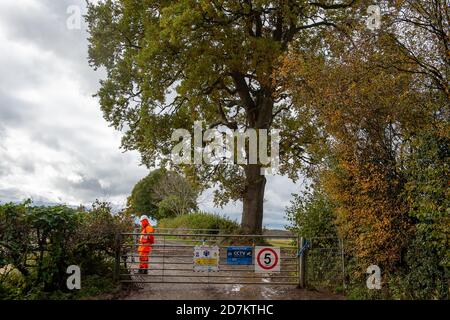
{"points": [[172, 258]]}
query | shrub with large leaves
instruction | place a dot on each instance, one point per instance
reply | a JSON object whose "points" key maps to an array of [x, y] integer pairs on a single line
{"points": [[38, 243]]}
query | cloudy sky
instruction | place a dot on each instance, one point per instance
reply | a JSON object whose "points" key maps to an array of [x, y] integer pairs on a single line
{"points": [[55, 145]]}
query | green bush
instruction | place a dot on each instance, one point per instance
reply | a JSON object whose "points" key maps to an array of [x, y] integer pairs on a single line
{"points": [[425, 271], [423, 276], [311, 215], [200, 220], [38, 243]]}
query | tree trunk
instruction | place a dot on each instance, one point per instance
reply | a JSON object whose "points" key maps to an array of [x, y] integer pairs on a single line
{"points": [[252, 215], [259, 115]]}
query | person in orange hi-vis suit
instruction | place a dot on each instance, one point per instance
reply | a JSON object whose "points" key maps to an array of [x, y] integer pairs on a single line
{"points": [[145, 241]]}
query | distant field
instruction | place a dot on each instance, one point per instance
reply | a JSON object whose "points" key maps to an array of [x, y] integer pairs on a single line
{"points": [[272, 242], [276, 232], [278, 242], [281, 242]]}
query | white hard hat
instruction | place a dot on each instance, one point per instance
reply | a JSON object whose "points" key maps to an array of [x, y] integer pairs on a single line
{"points": [[143, 217]]}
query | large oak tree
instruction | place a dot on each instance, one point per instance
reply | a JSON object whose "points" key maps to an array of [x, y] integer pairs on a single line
{"points": [[170, 63]]}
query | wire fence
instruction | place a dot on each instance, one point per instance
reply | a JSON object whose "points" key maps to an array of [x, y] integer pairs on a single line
{"points": [[325, 263]]}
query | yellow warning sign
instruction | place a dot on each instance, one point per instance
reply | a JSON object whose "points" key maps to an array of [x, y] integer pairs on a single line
{"points": [[206, 258], [206, 261]]}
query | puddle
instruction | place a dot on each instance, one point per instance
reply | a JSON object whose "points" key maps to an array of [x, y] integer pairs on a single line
{"points": [[236, 288]]}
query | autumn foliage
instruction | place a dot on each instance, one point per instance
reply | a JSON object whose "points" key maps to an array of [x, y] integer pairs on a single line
{"points": [[382, 158]]}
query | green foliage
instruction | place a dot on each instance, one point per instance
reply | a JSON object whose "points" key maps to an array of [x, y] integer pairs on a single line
{"points": [[162, 194], [167, 206], [143, 199], [424, 276], [38, 243], [428, 193], [311, 215], [11, 282], [200, 220], [428, 257]]}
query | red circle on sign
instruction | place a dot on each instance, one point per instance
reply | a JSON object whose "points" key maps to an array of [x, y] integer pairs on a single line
{"points": [[269, 267]]}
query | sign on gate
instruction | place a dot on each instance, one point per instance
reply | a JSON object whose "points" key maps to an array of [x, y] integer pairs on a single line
{"points": [[267, 259], [240, 255], [206, 258]]}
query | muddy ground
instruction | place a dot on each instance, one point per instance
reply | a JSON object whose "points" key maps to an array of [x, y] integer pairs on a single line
{"points": [[224, 292]]}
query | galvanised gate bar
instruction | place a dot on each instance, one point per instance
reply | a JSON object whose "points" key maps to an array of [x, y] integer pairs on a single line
{"points": [[172, 258]]}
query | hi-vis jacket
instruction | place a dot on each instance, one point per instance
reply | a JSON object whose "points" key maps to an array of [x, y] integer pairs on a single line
{"points": [[146, 239]]}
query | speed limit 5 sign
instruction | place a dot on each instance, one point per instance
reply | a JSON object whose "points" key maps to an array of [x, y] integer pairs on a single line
{"points": [[267, 259]]}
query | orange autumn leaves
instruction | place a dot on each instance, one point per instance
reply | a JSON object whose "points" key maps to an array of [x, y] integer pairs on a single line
{"points": [[364, 111]]}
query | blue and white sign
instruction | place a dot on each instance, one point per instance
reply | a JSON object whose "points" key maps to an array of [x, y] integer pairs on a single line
{"points": [[240, 255]]}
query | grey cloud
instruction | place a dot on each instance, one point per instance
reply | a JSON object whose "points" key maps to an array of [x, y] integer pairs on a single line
{"points": [[12, 110], [4, 169], [119, 186], [86, 188], [13, 195], [51, 141], [106, 172], [89, 184], [25, 163], [27, 166], [46, 28], [17, 196]]}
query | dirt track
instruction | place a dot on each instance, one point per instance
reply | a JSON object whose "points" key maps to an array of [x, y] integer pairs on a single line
{"points": [[225, 292]]}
